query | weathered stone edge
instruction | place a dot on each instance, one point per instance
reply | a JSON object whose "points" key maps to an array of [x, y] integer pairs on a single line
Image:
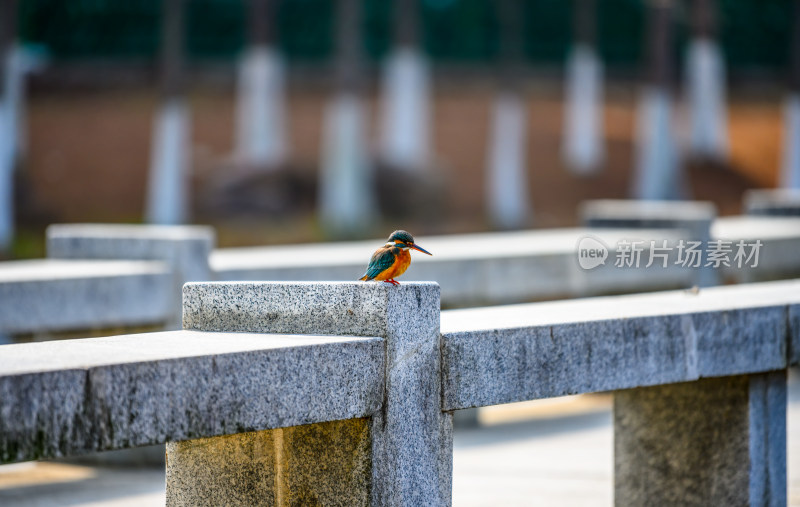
{"points": [[339, 308], [508, 365], [85, 303], [77, 411]]}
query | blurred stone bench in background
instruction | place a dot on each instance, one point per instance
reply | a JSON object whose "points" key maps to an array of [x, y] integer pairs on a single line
{"points": [[772, 202], [95, 276], [344, 392]]}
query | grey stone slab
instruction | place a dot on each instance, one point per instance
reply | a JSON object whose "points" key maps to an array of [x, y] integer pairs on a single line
{"points": [[718, 441], [185, 249], [510, 365], [63, 295], [692, 217], [411, 436], [75, 396], [656, 212], [741, 340], [780, 238], [472, 269], [523, 352], [292, 307], [772, 202]]}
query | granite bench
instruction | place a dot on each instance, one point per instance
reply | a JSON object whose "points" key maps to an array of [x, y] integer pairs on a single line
{"points": [[52, 295], [343, 393], [129, 276], [473, 269]]}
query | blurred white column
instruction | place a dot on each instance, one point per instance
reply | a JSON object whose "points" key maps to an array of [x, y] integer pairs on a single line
{"points": [[657, 172], [507, 185], [583, 148], [790, 171], [346, 197], [405, 111], [260, 108], [656, 158], [11, 134], [17, 62], [705, 88], [17, 66], [167, 198], [6, 179], [167, 186]]}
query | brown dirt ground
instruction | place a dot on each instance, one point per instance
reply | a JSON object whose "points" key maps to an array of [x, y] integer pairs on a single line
{"points": [[89, 153]]}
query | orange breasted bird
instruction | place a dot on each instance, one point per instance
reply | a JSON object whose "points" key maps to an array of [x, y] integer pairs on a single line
{"points": [[392, 259]]}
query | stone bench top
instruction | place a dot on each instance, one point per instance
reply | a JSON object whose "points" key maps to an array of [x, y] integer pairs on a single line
{"points": [[750, 228], [56, 269], [495, 245], [77, 295], [622, 209], [76, 396], [84, 354], [541, 350], [496, 268], [772, 196], [488, 245], [713, 299], [129, 231]]}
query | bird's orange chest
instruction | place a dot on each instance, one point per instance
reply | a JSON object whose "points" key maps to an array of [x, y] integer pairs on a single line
{"points": [[402, 259]]}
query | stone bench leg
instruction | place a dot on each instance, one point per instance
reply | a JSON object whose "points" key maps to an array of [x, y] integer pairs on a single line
{"points": [[316, 464], [716, 441]]}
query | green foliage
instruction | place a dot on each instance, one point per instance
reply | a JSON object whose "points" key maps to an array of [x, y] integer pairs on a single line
{"points": [[754, 33]]}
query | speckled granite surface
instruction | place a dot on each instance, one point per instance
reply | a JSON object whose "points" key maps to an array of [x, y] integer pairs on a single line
{"points": [[411, 436], [512, 353], [717, 441], [75, 396]]}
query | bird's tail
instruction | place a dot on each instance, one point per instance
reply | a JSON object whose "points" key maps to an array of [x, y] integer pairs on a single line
{"points": [[364, 278]]}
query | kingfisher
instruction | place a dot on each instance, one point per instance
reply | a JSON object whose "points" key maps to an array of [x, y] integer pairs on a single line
{"points": [[392, 259]]}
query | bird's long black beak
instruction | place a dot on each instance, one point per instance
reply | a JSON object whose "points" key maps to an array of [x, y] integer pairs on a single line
{"points": [[419, 248]]}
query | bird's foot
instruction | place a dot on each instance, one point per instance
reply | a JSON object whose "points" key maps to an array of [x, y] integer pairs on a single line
{"points": [[392, 281]]}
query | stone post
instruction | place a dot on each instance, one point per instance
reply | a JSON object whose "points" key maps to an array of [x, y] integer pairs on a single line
{"points": [[715, 441], [185, 249], [408, 460], [694, 217]]}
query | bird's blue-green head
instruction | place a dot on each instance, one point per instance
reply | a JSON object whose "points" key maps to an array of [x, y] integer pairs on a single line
{"points": [[402, 239]]}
